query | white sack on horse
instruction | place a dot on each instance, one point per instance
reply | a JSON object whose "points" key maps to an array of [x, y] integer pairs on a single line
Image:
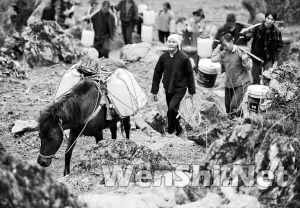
{"points": [[125, 93], [71, 78]]}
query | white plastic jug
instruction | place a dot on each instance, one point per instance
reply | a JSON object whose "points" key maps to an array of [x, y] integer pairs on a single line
{"points": [[142, 8], [87, 37], [125, 92], [148, 17], [147, 33], [68, 81], [172, 27], [204, 47]]}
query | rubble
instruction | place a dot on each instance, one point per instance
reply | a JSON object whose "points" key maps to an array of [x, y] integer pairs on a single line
{"points": [[22, 126], [124, 153], [30, 186], [10, 68]]}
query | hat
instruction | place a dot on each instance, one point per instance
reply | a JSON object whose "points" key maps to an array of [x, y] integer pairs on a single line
{"points": [[199, 13], [177, 38]]}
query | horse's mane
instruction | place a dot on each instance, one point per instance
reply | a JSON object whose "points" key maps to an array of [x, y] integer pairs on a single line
{"points": [[66, 108]]}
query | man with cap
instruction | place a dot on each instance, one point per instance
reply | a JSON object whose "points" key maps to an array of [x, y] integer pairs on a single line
{"points": [[234, 29], [175, 70]]}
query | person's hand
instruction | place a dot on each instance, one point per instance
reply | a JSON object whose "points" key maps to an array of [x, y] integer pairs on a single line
{"points": [[275, 64], [189, 96], [154, 97], [244, 56], [219, 47]]}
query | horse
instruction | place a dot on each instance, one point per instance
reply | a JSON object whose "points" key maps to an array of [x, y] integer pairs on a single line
{"points": [[74, 111]]}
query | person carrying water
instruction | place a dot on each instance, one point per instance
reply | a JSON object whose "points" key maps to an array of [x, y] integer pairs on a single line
{"points": [[237, 65], [163, 22], [234, 29], [104, 27], [175, 70]]}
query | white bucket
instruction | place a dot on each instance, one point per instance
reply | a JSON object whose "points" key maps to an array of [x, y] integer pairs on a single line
{"points": [[147, 33], [68, 81], [207, 72], [125, 92], [87, 37], [256, 93], [148, 17], [204, 47], [142, 8]]}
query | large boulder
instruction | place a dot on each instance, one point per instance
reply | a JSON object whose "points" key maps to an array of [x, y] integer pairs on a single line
{"points": [[144, 52], [47, 44], [135, 52]]}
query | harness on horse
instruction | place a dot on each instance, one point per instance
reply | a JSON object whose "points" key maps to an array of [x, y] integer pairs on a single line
{"points": [[90, 69]]}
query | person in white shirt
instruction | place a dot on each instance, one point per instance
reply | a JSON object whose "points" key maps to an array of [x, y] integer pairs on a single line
{"points": [[163, 24]]}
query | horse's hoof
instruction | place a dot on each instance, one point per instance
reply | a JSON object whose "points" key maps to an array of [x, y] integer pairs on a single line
{"points": [[66, 172]]}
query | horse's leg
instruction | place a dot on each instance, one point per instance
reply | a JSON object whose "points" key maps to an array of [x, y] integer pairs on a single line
{"points": [[70, 146], [113, 129], [99, 136], [126, 125]]}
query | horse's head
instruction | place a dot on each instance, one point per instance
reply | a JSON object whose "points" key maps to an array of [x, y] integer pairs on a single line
{"points": [[51, 135]]}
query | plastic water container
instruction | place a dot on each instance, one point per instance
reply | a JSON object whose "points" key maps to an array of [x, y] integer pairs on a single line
{"points": [[207, 73], [142, 8], [256, 93], [286, 47], [148, 17], [172, 26], [68, 81], [125, 92], [87, 37], [204, 47], [147, 33]]}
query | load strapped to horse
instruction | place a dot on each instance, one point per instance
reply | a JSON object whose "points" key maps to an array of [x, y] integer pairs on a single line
{"points": [[89, 98], [121, 93]]}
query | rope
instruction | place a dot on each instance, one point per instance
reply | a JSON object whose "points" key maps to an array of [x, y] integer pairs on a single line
{"points": [[95, 107], [133, 98]]}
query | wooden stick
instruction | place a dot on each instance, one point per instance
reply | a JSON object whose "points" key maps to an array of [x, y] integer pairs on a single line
{"points": [[251, 54]]}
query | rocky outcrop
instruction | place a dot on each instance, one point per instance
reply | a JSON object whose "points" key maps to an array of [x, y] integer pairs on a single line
{"points": [[47, 44], [288, 11], [30, 186]]}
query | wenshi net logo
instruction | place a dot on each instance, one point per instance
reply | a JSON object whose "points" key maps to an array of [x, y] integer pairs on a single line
{"points": [[226, 176]]}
